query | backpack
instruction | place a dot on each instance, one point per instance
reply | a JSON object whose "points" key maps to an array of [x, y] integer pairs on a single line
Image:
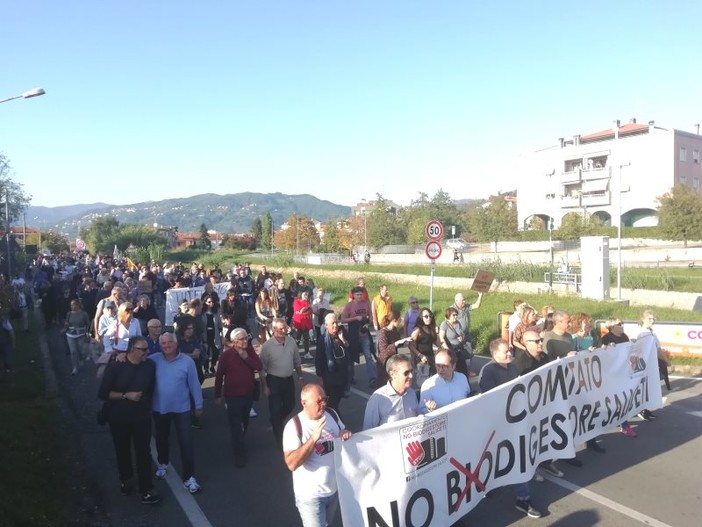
{"points": [[298, 424]]}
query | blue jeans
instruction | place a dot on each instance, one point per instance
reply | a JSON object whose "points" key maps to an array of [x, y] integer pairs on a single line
{"points": [[318, 512], [522, 490], [184, 433], [367, 352]]}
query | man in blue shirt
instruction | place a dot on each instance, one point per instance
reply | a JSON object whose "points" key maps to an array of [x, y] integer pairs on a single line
{"points": [[176, 384], [446, 386]]}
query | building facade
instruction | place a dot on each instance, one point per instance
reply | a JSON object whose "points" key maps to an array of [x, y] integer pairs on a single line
{"points": [[617, 172]]}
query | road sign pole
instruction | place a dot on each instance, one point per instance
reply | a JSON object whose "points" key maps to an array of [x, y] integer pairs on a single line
{"points": [[432, 268]]}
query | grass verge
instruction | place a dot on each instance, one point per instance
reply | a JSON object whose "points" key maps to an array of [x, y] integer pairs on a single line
{"points": [[35, 485]]}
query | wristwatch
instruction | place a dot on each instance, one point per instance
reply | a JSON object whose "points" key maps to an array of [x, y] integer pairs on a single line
{"points": [[124, 396]]}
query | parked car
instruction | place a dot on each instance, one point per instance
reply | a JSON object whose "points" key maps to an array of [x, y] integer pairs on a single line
{"points": [[458, 244]]}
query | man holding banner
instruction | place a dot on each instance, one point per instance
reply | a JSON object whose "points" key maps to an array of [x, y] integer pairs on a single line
{"points": [[500, 371], [396, 400]]}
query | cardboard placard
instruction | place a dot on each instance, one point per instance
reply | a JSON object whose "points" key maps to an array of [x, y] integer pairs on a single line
{"points": [[482, 281]]}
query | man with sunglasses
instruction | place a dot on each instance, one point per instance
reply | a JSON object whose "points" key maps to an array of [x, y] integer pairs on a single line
{"points": [[534, 356], [396, 400], [527, 361], [308, 447]]}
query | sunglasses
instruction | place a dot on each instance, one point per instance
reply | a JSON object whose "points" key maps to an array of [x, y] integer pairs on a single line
{"points": [[140, 348], [538, 341]]}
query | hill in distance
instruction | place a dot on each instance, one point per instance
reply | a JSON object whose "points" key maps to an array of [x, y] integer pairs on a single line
{"points": [[230, 213]]}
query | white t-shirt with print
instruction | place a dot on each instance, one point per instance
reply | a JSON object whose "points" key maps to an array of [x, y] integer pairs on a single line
{"points": [[315, 478]]}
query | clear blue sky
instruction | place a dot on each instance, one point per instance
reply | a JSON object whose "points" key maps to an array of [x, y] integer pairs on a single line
{"points": [[148, 100]]}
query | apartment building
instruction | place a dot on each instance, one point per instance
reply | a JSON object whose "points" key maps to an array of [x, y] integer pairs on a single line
{"points": [[623, 168]]}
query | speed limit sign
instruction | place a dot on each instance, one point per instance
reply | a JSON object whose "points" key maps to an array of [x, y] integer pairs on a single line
{"points": [[434, 230]]}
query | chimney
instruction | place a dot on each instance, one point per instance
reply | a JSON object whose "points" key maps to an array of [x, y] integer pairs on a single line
{"points": [[616, 128], [576, 140], [632, 120], [561, 141], [651, 125]]}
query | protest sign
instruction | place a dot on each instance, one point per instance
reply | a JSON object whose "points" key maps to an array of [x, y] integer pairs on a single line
{"points": [[433, 469]]}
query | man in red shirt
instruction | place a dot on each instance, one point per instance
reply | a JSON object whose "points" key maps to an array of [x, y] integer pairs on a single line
{"points": [[235, 379]]}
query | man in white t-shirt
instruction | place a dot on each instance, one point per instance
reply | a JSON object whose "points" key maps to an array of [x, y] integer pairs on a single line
{"points": [[308, 446]]}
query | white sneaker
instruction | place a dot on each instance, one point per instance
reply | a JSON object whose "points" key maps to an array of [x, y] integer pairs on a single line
{"points": [[192, 485], [252, 413], [161, 471]]}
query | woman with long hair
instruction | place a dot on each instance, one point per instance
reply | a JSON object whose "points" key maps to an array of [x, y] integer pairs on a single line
{"points": [[76, 329], [266, 311], [526, 321], [424, 339], [213, 331], [122, 329], [580, 328]]}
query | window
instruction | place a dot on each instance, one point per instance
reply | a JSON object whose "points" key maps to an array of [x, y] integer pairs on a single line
{"points": [[683, 153], [696, 156]]}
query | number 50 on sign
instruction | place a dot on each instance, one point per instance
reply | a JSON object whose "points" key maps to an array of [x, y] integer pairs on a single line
{"points": [[434, 230]]}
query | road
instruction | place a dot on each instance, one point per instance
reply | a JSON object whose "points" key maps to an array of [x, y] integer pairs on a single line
{"points": [[653, 479]]}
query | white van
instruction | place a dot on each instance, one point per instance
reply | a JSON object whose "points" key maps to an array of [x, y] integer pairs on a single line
{"points": [[457, 243]]}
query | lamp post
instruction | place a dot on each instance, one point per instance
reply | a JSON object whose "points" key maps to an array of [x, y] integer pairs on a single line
{"points": [[365, 230], [7, 234], [34, 92]]}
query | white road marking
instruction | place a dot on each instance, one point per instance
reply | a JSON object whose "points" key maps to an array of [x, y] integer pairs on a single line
{"points": [[186, 500], [618, 507]]}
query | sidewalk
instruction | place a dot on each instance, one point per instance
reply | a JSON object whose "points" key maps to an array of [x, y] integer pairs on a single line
{"points": [[92, 456]]}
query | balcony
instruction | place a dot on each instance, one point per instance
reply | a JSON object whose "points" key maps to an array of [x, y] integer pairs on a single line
{"points": [[597, 200]]}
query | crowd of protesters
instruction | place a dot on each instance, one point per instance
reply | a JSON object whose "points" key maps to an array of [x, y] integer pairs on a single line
{"points": [[254, 339]]}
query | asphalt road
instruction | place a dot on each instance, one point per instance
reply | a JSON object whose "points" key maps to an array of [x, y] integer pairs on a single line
{"points": [[653, 479]]}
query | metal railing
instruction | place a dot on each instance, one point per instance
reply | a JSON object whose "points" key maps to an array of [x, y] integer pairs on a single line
{"points": [[574, 279]]}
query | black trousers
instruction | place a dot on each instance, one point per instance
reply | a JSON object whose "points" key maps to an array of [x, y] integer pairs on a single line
{"points": [[137, 434], [281, 403]]}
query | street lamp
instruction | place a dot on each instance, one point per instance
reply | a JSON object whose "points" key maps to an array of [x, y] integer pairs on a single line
{"points": [[34, 92]]}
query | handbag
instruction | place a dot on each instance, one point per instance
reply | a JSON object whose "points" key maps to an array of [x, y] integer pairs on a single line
{"points": [[103, 414]]}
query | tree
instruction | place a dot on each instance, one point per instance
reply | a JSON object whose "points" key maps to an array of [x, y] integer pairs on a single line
{"points": [[680, 214], [17, 200], [383, 226], [332, 238], [204, 241], [257, 229], [574, 225], [300, 234], [102, 234], [55, 242], [267, 231], [139, 236], [495, 221]]}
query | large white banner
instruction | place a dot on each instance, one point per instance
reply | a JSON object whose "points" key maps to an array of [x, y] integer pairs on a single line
{"points": [[433, 469], [174, 297]]}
